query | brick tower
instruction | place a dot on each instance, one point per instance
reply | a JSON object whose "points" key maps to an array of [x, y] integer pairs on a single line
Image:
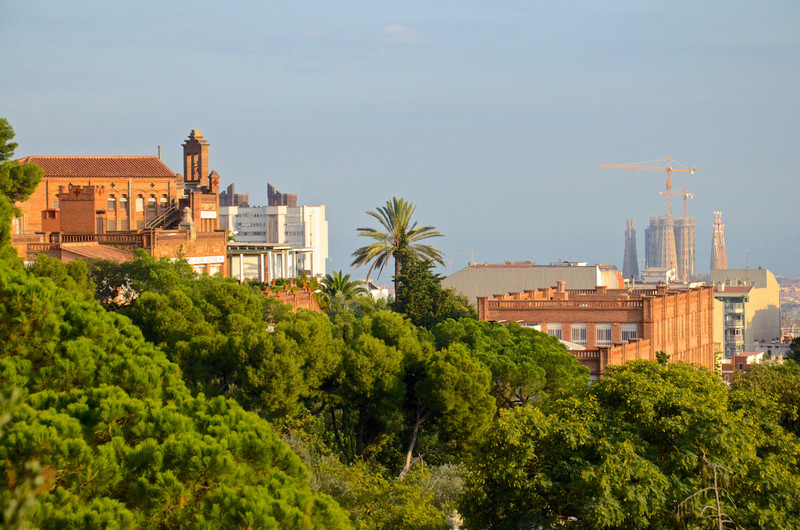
{"points": [[195, 157]]}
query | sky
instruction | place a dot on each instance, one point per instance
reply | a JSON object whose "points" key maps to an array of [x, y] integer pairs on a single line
{"points": [[491, 117]]}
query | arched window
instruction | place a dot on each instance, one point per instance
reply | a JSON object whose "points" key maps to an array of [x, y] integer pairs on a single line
{"points": [[151, 204], [140, 203], [112, 203], [162, 202]]}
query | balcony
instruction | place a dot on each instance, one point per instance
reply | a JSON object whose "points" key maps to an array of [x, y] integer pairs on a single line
{"points": [[734, 323]]}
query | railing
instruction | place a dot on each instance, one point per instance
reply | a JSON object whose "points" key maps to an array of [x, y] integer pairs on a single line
{"points": [[105, 239], [586, 304], [43, 247], [163, 219], [585, 354], [27, 238]]}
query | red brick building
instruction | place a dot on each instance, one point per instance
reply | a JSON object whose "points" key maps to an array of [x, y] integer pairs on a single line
{"points": [[611, 326], [125, 203]]}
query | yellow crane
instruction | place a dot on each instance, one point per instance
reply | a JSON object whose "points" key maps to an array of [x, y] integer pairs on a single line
{"points": [[684, 195], [668, 168]]}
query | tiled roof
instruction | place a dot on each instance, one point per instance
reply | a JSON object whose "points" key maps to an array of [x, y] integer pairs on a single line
{"points": [[95, 250], [101, 166], [734, 289]]}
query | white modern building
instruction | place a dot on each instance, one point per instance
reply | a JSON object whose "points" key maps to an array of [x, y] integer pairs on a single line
{"points": [[303, 229]]}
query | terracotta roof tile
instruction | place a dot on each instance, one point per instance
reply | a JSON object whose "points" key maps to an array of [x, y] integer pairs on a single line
{"points": [[101, 166], [95, 250], [734, 289]]}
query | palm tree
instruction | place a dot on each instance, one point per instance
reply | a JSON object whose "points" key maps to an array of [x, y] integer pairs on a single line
{"points": [[400, 234], [336, 282]]}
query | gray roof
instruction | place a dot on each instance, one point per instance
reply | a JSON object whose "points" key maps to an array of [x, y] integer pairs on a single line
{"points": [[486, 280]]}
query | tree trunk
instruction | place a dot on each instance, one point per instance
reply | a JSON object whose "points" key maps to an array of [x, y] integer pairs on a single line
{"points": [[413, 442], [338, 437], [362, 424]]}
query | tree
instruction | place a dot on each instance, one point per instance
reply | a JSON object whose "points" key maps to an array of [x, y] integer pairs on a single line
{"points": [[627, 451], [338, 282], [400, 233], [17, 182], [339, 293], [420, 296], [794, 350], [130, 446]]}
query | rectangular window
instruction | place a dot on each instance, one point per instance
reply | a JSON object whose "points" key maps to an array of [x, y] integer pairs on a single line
{"points": [[554, 330], [603, 334], [629, 331], [578, 334]]}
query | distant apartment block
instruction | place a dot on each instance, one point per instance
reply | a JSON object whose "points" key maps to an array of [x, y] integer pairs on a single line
{"points": [[747, 309], [301, 229], [740, 364], [611, 326], [486, 279]]}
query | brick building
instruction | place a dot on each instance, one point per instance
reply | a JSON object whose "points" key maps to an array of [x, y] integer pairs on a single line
{"points": [[125, 203], [604, 326]]}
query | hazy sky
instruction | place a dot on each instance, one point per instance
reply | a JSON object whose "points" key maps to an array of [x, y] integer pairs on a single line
{"points": [[490, 116]]}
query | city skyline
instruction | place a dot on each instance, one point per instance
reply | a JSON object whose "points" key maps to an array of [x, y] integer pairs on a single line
{"points": [[492, 119]]}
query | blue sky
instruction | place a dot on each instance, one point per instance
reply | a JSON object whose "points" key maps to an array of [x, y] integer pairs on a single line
{"points": [[490, 116]]}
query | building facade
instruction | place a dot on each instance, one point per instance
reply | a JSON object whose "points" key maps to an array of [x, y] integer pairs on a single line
{"points": [[487, 279], [301, 228], [125, 203], [612, 326], [747, 309]]}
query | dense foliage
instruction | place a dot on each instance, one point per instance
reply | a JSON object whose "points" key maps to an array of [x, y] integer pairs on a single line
{"points": [[17, 182], [642, 448], [126, 442]]}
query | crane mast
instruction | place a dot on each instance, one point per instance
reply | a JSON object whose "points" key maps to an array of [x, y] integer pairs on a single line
{"points": [[684, 195], [668, 168]]}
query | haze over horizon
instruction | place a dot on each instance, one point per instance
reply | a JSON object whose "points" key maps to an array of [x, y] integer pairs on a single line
{"points": [[492, 118]]}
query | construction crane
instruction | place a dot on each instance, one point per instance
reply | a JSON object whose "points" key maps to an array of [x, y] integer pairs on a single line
{"points": [[668, 168], [684, 195]]}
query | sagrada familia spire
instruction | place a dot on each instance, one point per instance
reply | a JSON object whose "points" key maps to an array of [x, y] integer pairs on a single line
{"points": [[719, 259], [630, 264]]}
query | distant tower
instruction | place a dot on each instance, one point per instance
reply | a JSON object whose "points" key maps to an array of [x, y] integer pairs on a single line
{"points": [[660, 243], [719, 258], [630, 265]]}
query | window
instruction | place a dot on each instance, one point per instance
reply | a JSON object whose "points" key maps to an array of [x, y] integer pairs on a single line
{"points": [[162, 202], [140, 203], [578, 334], [554, 330], [112, 203], [151, 204], [603, 334], [629, 331]]}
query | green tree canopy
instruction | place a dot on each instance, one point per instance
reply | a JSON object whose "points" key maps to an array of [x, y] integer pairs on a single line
{"points": [[635, 450], [17, 182], [126, 443], [420, 296]]}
